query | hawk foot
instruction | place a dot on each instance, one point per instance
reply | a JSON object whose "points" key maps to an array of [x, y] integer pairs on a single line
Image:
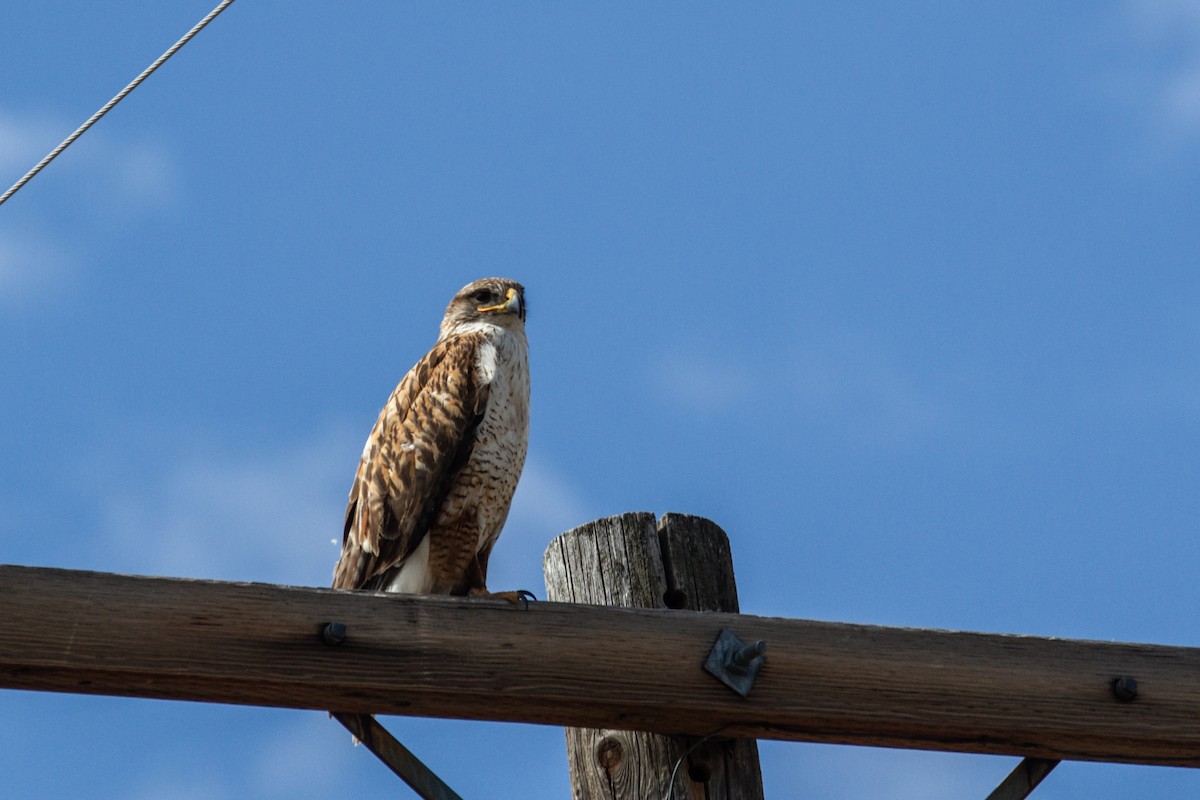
{"points": [[519, 596]]}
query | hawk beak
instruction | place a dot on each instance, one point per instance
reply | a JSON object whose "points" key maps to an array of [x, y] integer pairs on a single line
{"points": [[513, 304]]}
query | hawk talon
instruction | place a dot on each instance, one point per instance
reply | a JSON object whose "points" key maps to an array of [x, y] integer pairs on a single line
{"points": [[522, 596]]}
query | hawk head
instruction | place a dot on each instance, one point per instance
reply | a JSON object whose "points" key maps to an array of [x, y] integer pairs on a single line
{"points": [[498, 301]]}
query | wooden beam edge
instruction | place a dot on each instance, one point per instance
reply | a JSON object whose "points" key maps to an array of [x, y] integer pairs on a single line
{"points": [[562, 664]]}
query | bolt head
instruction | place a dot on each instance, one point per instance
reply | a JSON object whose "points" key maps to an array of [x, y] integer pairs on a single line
{"points": [[333, 633], [1125, 688]]}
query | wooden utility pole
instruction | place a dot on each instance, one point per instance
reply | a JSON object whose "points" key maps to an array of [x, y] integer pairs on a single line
{"points": [[683, 562]]}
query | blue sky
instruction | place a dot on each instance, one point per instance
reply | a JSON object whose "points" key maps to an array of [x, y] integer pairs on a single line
{"points": [[904, 297]]}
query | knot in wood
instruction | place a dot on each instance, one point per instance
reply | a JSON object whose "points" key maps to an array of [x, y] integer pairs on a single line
{"points": [[609, 753]]}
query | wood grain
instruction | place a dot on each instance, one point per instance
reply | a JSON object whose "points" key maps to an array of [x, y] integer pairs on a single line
{"points": [[682, 562], [698, 566], [589, 666], [616, 562]]}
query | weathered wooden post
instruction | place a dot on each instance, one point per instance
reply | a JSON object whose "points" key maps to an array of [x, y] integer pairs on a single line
{"points": [[681, 562]]}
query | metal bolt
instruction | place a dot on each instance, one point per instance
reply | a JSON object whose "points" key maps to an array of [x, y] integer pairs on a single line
{"points": [[333, 633], [748, 653], [744, 656], [1124, 688]]}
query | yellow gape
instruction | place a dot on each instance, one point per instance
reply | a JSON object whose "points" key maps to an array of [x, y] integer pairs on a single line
{"points": [[509, 295]]}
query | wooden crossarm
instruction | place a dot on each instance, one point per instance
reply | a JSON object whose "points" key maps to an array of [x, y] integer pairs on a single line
{"points": [[564, 664]]}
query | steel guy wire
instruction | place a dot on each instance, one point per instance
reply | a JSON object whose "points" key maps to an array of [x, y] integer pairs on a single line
{"points": [[199, 26]]}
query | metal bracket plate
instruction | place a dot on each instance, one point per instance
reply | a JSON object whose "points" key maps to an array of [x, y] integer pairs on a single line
{"points": [[735, 663]]}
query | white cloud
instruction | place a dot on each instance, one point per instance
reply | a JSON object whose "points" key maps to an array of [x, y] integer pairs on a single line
{"points": [[1181, 99], [126, 174], [135, 177], [170, 787], [276, 516], [32, 263], [97, 183], [1162, 71], [838, 771], [698, 383], [31, 266], [273, 516], [278, 754], [24, 141], [545, 500], [840, 380], [1164, 16], [308, 756], [859, 388]]}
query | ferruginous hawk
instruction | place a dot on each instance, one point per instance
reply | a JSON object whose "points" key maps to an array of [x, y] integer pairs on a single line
{"points": [[439, 469]]}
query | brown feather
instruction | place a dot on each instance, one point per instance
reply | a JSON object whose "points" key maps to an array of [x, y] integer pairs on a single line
{"points": [[420, 442]]}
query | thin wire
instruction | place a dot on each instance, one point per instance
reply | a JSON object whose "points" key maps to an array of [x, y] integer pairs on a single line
{"points": [[679, 761], [199, 26]]}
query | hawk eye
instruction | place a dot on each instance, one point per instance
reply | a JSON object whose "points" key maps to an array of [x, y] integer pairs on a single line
{"points": [[482, 296]]}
